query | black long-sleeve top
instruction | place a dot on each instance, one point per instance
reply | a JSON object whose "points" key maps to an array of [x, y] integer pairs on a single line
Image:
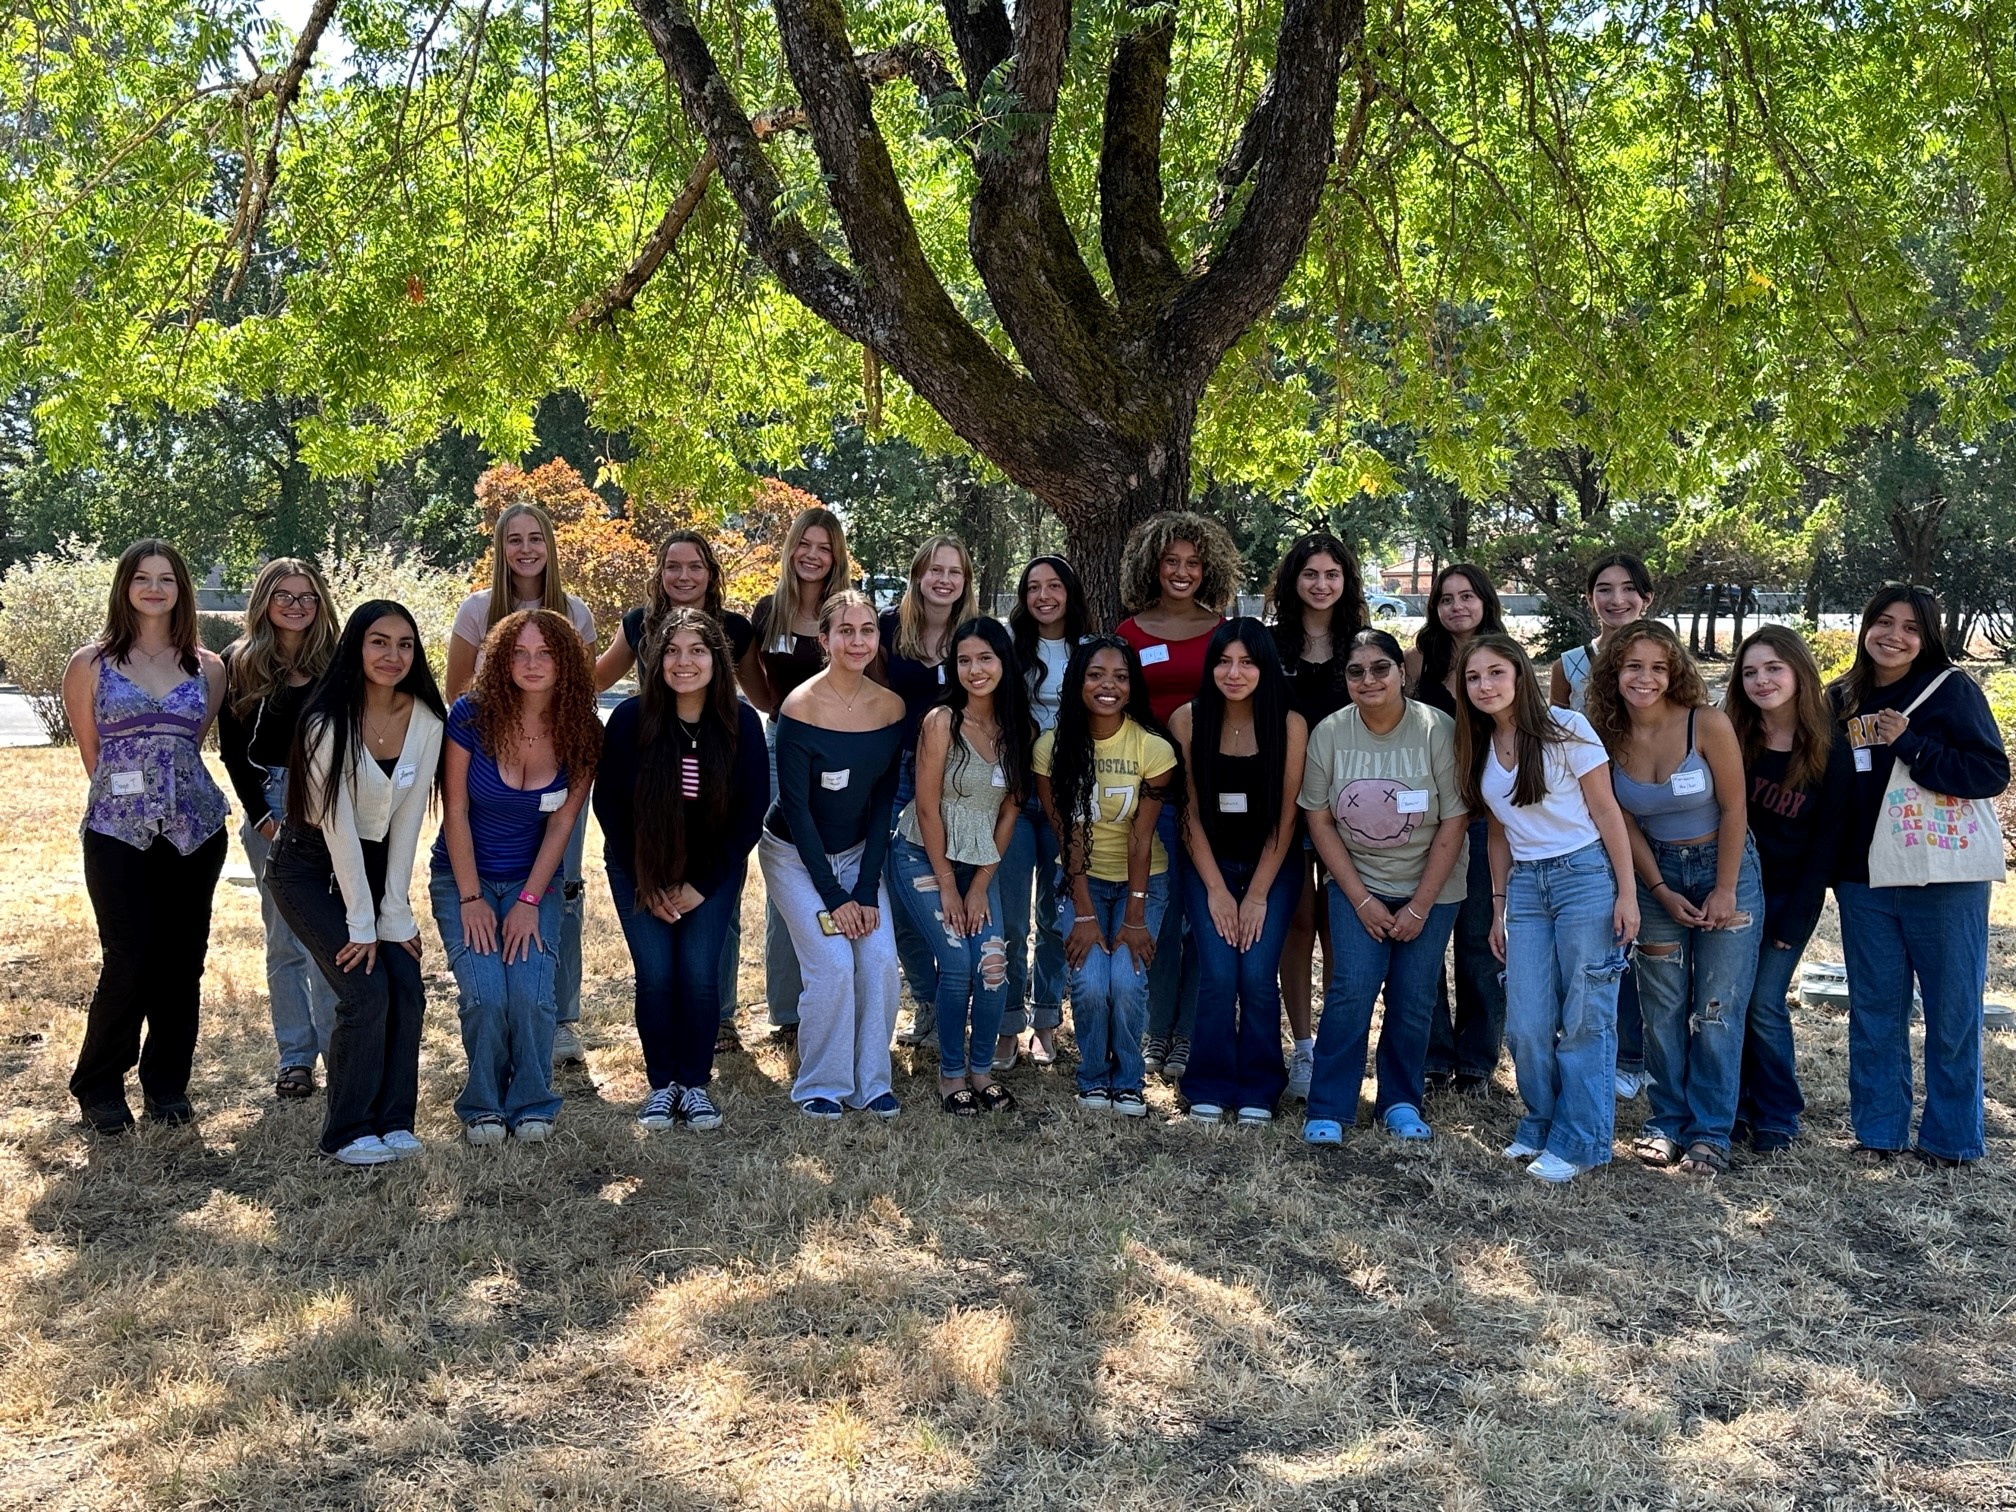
{"points": [[263, 737], [919, 684], [1797, 831], [715, 856], [1952, 746], [835, 789]]}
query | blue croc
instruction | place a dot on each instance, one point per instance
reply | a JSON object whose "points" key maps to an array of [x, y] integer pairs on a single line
{"points": [[1322, 1131], [1404, 1122]]}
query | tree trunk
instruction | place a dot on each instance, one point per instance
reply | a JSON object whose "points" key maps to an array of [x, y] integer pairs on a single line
{"points": [[1094, 537]]}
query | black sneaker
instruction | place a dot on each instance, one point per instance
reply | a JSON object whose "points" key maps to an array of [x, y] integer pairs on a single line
{"points": [[174, 1111], [1154, 1053], [109, 1117], [1177, 1061], [1130, 1104], [1770, 1142], [697, 1110], [1469, 1084]]}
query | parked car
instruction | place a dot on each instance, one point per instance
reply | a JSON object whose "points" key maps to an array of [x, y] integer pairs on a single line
{"points": [[1383, 605]]}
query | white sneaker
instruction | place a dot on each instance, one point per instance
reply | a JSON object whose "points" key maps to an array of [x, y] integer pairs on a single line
{"points": [[1629, 1085], [368, 1151], [485, 1131], [1553, 1168], [1254, 1117], [533, 1131], [402, 1144], [1301, 1068], [1518, 1151], [661, 1108], [1206, 1113], [567, 1049]]}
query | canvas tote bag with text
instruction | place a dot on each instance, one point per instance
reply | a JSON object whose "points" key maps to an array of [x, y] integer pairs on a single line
{"points": [[1923, 837]]}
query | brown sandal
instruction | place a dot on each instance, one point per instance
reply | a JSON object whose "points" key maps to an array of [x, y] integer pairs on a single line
{"points": [[1704, 1159], [295, 1081]]}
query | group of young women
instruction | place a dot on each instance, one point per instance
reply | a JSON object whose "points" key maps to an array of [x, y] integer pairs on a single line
{"points": [[1159, 823]]}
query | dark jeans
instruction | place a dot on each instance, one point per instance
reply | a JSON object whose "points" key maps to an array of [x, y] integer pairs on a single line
{"points": [[913, 946], [153, 910], [1467, 1043], [1172, 979], [1235, 1049], [374, 1049], [1769, 1100], [678, 969]]}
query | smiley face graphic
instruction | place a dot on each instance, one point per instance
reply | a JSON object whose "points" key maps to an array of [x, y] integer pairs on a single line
{"points": [[1370, 809]]}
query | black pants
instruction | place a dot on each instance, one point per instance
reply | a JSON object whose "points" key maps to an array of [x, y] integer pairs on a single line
{"points": [[153, 910], [374, 1049]]}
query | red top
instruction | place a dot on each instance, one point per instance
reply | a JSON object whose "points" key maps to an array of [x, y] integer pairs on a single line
{"points": [[1173, 669]]}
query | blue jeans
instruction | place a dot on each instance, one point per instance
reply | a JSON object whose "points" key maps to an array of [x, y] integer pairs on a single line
{"points": [[1466, 1042], [783, 984], [573, 899], [1768, 1100], [678, 980], [299, 997], [1109, 993], [1235, 1055], [1034, 1001], [1172, 980], [507, 1012], [1407, 971], [913, 945], [1695, 996], [1562, 962], [1939, 934], [971, 970]]}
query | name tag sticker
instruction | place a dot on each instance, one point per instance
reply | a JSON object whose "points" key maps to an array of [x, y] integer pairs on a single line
{"points": [[1862, 761], [402, 777], [835, 782], [941, 674], [128, 784], [1688, 784], [553, 802], [1000, 779], [1153, 655], [1231, 803], [1411, 801]]}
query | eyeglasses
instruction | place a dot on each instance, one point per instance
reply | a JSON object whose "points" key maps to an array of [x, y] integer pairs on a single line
{"points": [[282, 599], [1377, 671]]}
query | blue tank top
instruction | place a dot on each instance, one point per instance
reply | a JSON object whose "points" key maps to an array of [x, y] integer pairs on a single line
{"points": [[1679, 808]]}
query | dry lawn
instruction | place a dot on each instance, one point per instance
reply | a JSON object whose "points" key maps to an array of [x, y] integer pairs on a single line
{"points": [[1049, 1311]]}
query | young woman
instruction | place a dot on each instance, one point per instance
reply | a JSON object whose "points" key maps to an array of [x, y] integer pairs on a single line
{"points": [[1049, 619], [1319, 602], [1564, 909], [364, 771], [1178, 574], [520, 753], [1105, 773], [1242, 749], [1800, 779], [525, 574], [1937, 933], [972, 761], [290, 635], [839, 738], [1678, 776], [680, 795], [140, 699], [915, 665], [1464, 1034], [1619, 590], [783, 655], [1390, 825]]}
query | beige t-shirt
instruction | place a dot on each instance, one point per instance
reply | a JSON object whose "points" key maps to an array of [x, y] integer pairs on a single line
{"points": [[1388, 794], [472, 620]]}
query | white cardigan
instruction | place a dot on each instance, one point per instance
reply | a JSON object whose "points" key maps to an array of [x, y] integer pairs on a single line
{"points": [[373, 806]]}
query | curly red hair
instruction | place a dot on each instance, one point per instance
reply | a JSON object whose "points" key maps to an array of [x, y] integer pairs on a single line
{"points": [[570, 717]]}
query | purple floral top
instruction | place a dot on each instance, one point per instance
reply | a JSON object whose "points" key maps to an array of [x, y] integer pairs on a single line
{"points": [[151, 780]]}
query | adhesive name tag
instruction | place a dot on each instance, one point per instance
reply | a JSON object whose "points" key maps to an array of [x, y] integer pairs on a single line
{"points": [[128, 784], [1153, 655], [1411, 801], [402, 776], [1000, 779], [1231, 803], [553, 802], [1688, 784], [833, 782], [941, 674], [1862, 759]]}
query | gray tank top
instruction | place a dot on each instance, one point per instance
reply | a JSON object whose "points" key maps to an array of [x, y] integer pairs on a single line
{"points": [[1679, 808]]}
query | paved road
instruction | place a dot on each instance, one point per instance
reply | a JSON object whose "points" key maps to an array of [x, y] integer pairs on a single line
{"points": [[18, 724]]}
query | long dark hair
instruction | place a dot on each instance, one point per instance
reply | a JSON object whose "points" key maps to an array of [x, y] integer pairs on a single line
{"points": [[1436, 645], [1346, 620], [122, 620], [1859, 681], [336, 703], [1813, 732], [662, 809], [1022, 624], [1072, 779], [1011, 701], [1533, 724], [1270, 717]]}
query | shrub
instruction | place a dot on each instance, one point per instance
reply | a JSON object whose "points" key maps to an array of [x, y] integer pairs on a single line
{"points": [[2001, 690], [1833, 650], [49, 606], [431, 594]]}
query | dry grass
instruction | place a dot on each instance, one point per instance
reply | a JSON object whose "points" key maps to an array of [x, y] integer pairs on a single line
{"points": [[1046, 1312]]}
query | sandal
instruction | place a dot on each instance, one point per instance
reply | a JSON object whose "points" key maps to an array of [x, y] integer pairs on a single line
{"points": [[996, 1098], [727, 1041], [1927, 1161], [1657, 1150], [1041, 1056], [1007, 1062], [1704, 1159], [295, 1081], [962, 1103], [1870, 1155]]}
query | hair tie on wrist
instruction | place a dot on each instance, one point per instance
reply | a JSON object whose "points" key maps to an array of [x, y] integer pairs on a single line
{"points": [[1360, 908]]}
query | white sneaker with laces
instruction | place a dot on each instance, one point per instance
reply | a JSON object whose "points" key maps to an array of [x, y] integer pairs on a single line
{"points": [[1554, 1169], [402, 1144], [661, 1108], [485, 1131], [1301, 1069], [368, 1151], [1518, 1151], [567, 1050], [533, 1131]]}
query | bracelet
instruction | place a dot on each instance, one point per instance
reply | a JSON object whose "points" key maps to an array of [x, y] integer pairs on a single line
{"points": [[1421, 916], [1657, 885], [1360, 908], [1141, 895], [475, 897], [529, 897], [1497, 895]]}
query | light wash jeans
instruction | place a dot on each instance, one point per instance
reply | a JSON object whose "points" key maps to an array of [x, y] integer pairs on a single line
{"points": [[1562, 962], [1361, 969], [914, 949], [507, 1011], [1109, 993], [298, 996], [1035, 998], [971, 970]]}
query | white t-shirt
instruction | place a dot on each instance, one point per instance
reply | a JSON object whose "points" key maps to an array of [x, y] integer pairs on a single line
{"points": [[1055, 656], [1559, 823], [472, 620]]}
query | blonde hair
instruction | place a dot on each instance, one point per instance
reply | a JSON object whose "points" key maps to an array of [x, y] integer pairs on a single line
{"points": [[846, 598], [784, 602], [503, 600], [256, 668], [1141, 559], [910, 608]]}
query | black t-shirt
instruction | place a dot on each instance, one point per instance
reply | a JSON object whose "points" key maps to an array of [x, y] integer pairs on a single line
{"points": [[785, 669], [1796, 831], [737, 629], [1238, 836], [919, 684]]}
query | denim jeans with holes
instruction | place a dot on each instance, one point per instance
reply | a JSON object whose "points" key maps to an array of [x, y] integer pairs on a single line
{"points": [[1694, 992], [1109, 992], [971, 970]]}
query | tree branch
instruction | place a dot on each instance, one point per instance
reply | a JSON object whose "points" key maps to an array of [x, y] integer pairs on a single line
{"points": [[252, 211], [1131, 231], [981, 36]]}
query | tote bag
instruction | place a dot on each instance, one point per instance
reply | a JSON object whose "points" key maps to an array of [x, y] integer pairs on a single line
{"points": [[1923, 837]]}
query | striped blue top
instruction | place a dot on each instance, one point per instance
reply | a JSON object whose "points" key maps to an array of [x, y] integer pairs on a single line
{"points": [[506, 823]]}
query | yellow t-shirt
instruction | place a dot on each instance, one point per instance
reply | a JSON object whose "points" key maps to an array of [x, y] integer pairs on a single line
{"points": [[1120, 764]]}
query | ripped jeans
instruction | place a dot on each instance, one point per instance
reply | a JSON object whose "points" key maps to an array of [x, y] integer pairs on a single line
{"points": [[971, 969], [1694, 990], [1562, 963]]}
